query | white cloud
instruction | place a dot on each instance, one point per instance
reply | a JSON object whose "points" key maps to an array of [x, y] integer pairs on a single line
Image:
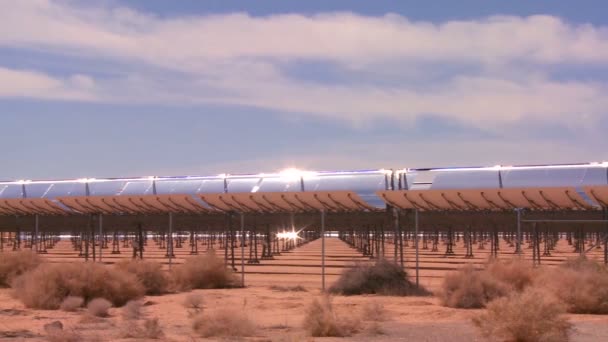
{"points": [[418, 155], [343, 37], [25, 83], [240, 59]]}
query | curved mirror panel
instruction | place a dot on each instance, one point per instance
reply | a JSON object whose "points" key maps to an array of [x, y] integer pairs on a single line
{"points": [[420, 180], [36, 190], [552, 177], [240, 185], [280, 184], [370, 182], [64, 189], [139, 187], [212, 186], [12, 191], [364, 185], [106, 188], [185, 186], [469, 179]]}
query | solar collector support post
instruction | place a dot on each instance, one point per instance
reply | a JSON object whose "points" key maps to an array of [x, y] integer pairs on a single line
{"points": [[417, 249], [92, 233], [242, 249], [399, 238], [85, 236], [323, 249], [101, 237], [605, 217], [518, 242], [170, 240], [36, 226]]}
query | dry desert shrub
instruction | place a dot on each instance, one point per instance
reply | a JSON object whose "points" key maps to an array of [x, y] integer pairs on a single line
{"points": [[99, 307], [149, 273], [582, 264], [517, 273], [383, 277], [469, 288], [528, 316], [13, 264], [46, 286], [149, 329], [132, 310], [194, 302], [56, 333], [152, 329], [203, 272], [224, 322], [374, 328], [373, 312], [581, 284], [60, 335], [71, 303], [321, 321], [297, 288]]}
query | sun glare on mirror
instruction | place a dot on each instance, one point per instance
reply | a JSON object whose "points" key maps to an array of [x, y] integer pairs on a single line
{"points": [[288, 235]]}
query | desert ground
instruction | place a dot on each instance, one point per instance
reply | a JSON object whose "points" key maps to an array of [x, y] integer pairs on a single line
{"points": [[278, 311]]}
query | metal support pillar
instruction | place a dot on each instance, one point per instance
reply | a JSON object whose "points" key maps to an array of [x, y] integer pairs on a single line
{"points": [[518, 241], [242, 249], [581, 241], [35, 242], [398, 238], [85, 236], [323, 250], [468, 241], [606, 237], [92, 237], [170, 240], [416, 246], [193, 242], [101, 237], [115, 243], [535, 246], [140, 239], [450, 244]]}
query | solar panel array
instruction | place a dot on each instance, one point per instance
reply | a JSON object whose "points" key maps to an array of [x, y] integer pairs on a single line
{"points": [[499, 188]]}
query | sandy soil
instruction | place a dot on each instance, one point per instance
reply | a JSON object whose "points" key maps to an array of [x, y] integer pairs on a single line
{"points": [[279, 314]]}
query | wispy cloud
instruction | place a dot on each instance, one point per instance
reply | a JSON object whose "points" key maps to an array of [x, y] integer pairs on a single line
{"points": [[418, 154], [241, 60], [25, 83]]}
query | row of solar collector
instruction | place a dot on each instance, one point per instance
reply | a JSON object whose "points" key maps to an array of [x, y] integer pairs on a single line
{"points": [[355, 190]]}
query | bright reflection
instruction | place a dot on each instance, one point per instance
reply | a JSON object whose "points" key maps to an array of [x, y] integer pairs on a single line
{"points": [[292, 235], [293, 173]]}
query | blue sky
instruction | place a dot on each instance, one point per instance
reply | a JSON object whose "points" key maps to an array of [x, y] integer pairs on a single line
{"points": [[150, 87]]}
